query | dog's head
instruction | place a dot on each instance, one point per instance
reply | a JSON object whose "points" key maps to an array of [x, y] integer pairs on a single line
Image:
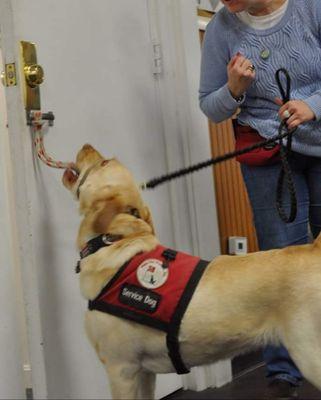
{"points": [[104, 189]]}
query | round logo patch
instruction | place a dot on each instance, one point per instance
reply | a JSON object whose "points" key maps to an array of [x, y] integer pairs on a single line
{"points": [[151, 274]]}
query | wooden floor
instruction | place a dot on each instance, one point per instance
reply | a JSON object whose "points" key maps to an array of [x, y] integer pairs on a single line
{"points": [[249, 386]]}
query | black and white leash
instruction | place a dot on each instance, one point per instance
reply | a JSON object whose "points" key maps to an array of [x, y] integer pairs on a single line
{"points": [[285, 172]]}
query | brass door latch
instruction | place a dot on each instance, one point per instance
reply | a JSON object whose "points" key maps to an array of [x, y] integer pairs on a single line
{"points": [[32, 78], [8, 76]]}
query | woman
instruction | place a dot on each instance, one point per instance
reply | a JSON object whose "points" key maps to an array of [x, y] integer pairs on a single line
{"points": [[244, 45]]}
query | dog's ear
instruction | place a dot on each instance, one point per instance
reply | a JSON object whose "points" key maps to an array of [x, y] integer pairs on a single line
{"points": [[147, 217], [111, 207]]}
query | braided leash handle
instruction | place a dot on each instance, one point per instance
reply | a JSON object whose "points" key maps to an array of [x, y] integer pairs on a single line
{"points": [[285, 175]]}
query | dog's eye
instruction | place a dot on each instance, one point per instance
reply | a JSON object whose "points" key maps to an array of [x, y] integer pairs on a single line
{"points": [[105, 162]]}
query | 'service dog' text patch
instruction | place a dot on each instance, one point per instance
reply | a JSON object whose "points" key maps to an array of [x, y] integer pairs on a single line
{"points": [[139, 298]]}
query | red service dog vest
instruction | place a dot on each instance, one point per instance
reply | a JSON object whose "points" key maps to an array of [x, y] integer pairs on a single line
{"points": [[154, 288]]}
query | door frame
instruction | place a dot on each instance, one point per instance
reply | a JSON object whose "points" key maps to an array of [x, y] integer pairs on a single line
{"points": [[19, 143]]}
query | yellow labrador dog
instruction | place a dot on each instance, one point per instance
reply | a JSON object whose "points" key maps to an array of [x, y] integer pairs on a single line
{"points": [[241, 302]]}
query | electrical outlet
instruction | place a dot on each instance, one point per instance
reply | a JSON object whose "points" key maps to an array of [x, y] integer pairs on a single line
{"points": [[237, 245]]}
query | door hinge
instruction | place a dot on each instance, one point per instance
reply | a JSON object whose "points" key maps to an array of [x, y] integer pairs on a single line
{"points": [[9, 76], [157, 58]]}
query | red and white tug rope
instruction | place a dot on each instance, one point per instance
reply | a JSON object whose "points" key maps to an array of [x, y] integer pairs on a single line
{"points": [[37, 124]]}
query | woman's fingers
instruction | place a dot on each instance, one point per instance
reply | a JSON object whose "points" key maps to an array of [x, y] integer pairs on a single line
{"points": [[278, 101], [293, 122], [231, 64], [295, 112], [240, 74], [248, 69], [287, 109], [243, 67]]}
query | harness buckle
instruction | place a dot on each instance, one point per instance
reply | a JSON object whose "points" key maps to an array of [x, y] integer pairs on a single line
{"points": [[108, 239], [169, 255]]}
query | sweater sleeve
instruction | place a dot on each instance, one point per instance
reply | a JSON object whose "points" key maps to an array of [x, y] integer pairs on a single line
{"points": [[215, 98]]}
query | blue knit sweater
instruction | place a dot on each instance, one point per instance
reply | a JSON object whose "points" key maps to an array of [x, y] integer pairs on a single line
{"points": [[294, 43]]}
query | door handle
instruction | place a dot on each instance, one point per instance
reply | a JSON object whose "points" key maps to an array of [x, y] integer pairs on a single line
{"points": [[32, 76]]}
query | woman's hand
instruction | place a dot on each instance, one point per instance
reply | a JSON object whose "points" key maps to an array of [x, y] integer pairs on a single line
{"points": [[295, 111], [241, 73]]}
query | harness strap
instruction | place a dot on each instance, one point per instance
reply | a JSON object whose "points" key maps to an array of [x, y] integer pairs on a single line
{"points": [[175, 323]]}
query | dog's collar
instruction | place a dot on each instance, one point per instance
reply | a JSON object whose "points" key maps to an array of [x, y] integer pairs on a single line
{"points": [[104, 240], [85, 176], [96, 244]]}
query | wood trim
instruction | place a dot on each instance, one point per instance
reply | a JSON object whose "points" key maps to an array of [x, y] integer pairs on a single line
{"points": [[233, 207], [204, 13]]}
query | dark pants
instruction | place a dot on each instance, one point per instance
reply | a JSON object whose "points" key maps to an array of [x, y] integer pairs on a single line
{"points": [[273, 233]]}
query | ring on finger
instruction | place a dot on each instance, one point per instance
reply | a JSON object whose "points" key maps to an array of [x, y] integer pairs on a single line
{"points": [[286, 114], [251, 68]]}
